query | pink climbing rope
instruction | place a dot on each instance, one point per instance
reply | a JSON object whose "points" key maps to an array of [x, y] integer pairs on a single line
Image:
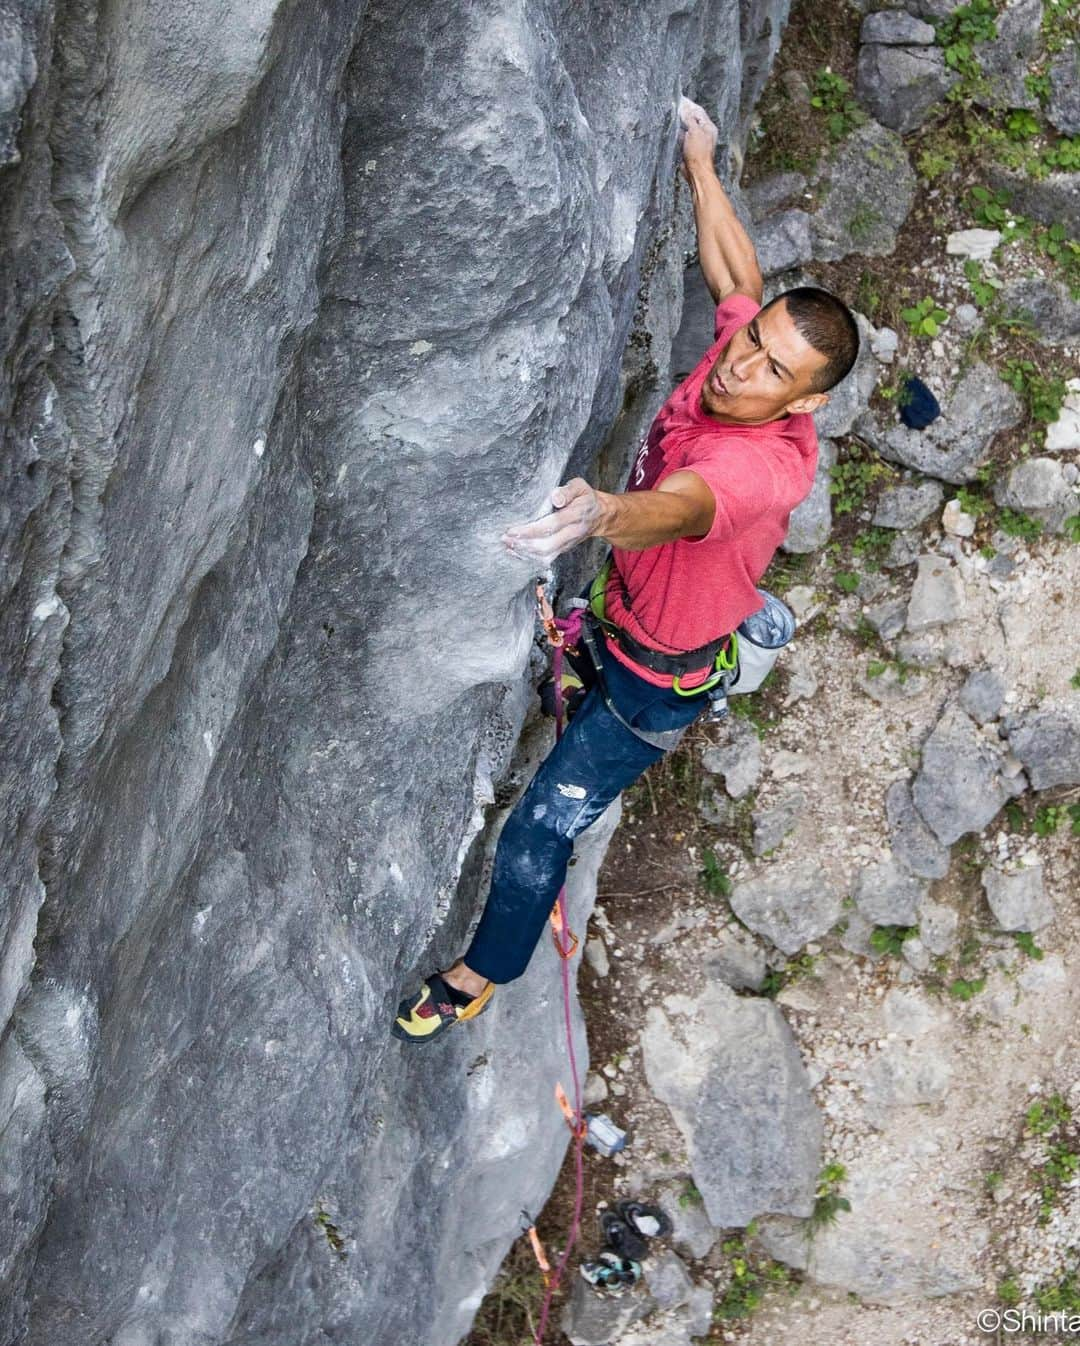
{"points": [[563, 631]]}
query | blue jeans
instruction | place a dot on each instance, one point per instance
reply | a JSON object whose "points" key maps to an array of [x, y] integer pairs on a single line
{"points": [[593, 762]]}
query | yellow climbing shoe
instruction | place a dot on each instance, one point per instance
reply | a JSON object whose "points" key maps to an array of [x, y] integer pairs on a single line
{"points": [[435, 1008]]}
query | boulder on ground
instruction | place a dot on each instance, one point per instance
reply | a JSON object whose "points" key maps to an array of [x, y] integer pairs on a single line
{"points": [[901, 85], [1064, 108], [1047, 305], [955, 445], [1018, 897], [1047, 743], [959, 787], [1044, 488], [811, 519], [870, 187], [730, 1070], [788, 906]]}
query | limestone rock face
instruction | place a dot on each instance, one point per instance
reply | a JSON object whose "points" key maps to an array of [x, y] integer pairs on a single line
{"points": [[301, 305]]}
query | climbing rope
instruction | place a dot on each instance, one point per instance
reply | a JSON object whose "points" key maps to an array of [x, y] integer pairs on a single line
{"points": [[560, 633]]}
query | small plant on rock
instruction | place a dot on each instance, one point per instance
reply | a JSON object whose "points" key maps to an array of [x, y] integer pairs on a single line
{"points": [[1025, 941], [827, 1199], [990, 209], [1021, 125], [832, 95], [890, 938], [960, 31], [924, 319], [984, 289], [961, 988], [714, 876], [1014, 523]]}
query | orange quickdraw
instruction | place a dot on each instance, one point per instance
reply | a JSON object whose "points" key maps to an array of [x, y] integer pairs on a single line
{"points": [[538, 1249], [565, 950], [547, 616], [578, 1129]]}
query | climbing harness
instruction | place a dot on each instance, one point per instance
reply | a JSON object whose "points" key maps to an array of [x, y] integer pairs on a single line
{"points": [[715, 651]]}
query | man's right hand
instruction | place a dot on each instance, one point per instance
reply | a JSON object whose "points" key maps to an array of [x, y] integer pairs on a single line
{"points": [[701, 135]]}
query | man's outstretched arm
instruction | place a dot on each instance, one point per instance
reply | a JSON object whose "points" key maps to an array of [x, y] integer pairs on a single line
{"points": [[682, 505], [727, 256]]}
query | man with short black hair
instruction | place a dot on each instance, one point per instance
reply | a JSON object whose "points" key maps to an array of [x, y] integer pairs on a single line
{"points": [[730, 454]]}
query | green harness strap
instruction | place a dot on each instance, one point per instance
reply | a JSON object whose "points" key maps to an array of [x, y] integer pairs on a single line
{"points": [[726, 659]]}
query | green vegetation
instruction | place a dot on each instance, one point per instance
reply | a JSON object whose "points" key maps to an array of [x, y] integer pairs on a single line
{"points": [[832, 95], [1008, 1291], [973, 501], [957, 36], [751, 1276], [924, 318], [1017, 524], [1025, 941], [890, 938], [847, 581], [1043, 394], [872, 546], [1060, 24], [690, 1196], [961, 989], [331, 1231], [990, 209], [827, 1199], [714, 876], [1045, 1116], [984, 289], [1050, 1119], [854, 476], [1022, 125], [776, 978], [1060, 1296]]}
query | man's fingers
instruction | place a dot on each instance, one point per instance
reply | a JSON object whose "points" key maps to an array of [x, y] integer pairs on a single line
{"points": [[546, 547], [568, 491]]}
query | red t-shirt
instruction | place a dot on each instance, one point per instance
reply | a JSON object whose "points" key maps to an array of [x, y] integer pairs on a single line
{"points": [[685, 593]]}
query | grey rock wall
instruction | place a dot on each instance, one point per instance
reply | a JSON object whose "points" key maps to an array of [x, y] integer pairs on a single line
{"points": [[300, 304]]}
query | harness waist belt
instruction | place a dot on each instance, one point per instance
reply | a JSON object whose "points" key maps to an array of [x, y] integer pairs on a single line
{"points": [[686, 661]]}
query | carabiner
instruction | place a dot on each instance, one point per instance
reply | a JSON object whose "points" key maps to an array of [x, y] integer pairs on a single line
{"points": [[726, 659]]}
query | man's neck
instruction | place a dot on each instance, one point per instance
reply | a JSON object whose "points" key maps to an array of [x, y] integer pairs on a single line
{"points": [[731, 420]]}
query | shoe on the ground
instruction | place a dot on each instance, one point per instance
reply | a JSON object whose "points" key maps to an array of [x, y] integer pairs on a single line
{"points": [[433, 1009], [621, 1238], [648, 1221], [610, 1272]]}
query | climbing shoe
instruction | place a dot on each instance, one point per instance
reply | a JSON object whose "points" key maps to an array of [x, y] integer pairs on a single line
{"points": [[436, 1007], [573, 693], [620, 1238], [648, 1221], [610, 1272]]}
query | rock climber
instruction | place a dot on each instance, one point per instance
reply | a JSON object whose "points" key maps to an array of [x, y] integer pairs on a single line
{"points": [[727, 458]]}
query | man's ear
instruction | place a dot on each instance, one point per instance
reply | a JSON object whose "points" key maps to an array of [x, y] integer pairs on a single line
{"points": [[811, 402]]}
